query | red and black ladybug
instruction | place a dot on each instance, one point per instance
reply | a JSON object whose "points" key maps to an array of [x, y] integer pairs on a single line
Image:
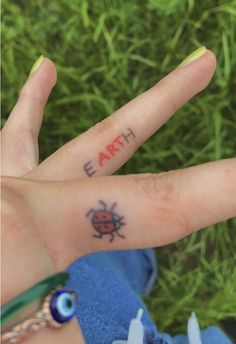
{"points": [[106, 221]]}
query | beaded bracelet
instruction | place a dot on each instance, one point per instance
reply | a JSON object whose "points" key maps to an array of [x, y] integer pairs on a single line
{"points": [[58, 308]]}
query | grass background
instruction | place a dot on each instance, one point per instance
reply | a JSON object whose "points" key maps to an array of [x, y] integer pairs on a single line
{"points": [[106, 53]]}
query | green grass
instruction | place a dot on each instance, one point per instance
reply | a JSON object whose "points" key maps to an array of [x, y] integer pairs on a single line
{"points": [[106, 53]]}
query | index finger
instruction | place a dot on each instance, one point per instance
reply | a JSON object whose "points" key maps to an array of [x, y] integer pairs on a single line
{"points": [[134, 211]]}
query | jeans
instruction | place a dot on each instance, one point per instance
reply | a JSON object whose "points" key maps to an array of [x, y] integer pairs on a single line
{"points": [[110, 286]]}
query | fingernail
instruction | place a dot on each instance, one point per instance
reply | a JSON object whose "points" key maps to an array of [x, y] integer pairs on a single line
{"points": [[36, 64], [192, 57]]}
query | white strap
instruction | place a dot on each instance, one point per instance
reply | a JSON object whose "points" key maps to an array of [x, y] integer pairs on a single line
{"points": [[194, 333], [136, 331]]}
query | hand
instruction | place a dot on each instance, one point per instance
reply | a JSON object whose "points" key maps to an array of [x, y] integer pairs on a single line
{"points": [[53, 213]]}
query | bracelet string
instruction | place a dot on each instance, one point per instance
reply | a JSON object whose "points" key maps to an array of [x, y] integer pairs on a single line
{"points": [[57, 309], [34, 293]]}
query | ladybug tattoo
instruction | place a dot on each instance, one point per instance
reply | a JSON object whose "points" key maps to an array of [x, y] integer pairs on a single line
{"points": [[106, 221]]}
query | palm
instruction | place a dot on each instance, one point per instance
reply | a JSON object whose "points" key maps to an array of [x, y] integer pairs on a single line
{"points": [[56, 195]]}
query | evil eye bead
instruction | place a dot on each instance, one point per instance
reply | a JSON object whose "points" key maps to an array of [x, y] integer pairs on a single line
{"points": [[62, 306]]}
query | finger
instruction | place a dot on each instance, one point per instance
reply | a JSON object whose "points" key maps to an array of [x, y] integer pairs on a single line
{"points": [[135, 211], [104, 148], [20, 133]]}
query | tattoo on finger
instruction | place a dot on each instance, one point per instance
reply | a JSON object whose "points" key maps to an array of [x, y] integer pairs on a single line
{"points": [[106, 221], [110, 151]]}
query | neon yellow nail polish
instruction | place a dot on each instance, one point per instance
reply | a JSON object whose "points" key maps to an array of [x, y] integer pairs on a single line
{"points": [[36, 64], [192, 57]]}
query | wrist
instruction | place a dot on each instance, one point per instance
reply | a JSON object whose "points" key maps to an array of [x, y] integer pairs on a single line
{"points": [[25, 259], [22, 271]]}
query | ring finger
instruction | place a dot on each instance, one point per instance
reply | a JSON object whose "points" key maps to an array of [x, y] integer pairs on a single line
{"points": [[19, 136]]}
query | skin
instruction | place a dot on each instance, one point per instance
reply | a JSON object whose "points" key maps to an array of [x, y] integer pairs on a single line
{"points": [[44, 207]]}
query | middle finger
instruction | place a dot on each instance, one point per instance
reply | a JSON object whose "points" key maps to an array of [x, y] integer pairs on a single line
{"points": [[107, 146]]}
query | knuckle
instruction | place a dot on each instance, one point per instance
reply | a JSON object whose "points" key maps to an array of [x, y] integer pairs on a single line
{"points": [[161, 186], [110, 129], [170, 98], [230, 176], [32, 94], [163, 194], [101, 128]]}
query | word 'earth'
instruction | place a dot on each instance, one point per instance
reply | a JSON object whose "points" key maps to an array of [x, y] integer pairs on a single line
{"points": [[111, 150]]}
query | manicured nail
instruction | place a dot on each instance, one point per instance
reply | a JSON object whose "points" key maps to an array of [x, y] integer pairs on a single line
{"points": [[37, 64], [192, 57]]}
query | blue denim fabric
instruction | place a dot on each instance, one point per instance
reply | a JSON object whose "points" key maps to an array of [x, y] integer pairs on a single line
{"points": [[109, 287]]}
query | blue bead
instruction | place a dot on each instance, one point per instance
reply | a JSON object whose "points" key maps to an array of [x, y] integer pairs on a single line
{"points": [[62, 305]]}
